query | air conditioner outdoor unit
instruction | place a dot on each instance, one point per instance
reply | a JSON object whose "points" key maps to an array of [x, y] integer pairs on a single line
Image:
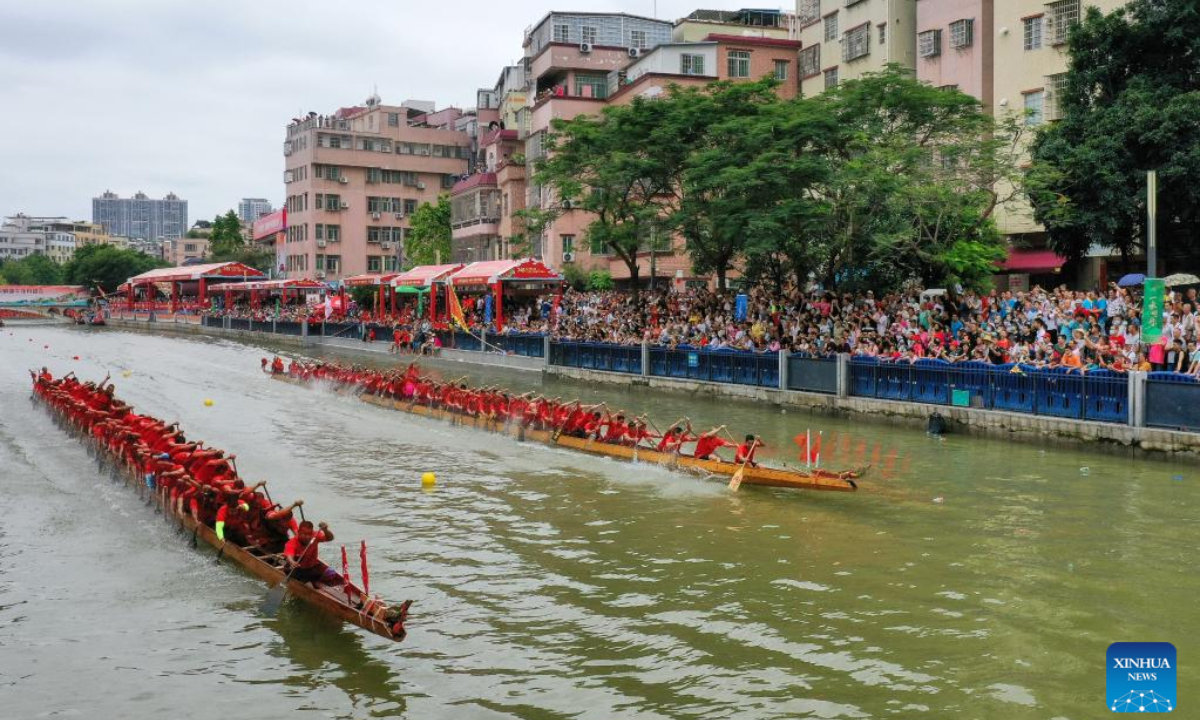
{"points": [[386, 246], [585, 47], [343, 180], [399, 216], [374, 216], [320, 275], [568, 257], [635, 52], [420, 186], [321, 243], [345, 206]]}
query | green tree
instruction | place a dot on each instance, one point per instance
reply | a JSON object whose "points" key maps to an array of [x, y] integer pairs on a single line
{"points": [[599, 280], [106, 267], [429, 232], [226, 237], [31, 270], [916, 175], [623, 167], [747, 185], [1131, 104]]}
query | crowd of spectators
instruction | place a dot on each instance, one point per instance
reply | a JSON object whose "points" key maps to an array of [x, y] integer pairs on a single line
{"points": [[1039, 327]]}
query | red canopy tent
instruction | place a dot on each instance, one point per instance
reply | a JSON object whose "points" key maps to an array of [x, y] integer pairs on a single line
{"points": [[203, 275], [427, 276], [257, 288], [380, 281], [497, 276]]}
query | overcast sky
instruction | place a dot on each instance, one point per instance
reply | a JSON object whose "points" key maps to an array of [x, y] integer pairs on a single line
{"points": [[193, 97]]}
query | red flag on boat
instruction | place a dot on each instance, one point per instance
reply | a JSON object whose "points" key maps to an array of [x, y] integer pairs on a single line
{"points": [[345, 571], [366, 579]]}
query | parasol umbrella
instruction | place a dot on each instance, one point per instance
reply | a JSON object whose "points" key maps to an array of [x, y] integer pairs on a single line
{"points": [[1131, 280], [1180, 279]]}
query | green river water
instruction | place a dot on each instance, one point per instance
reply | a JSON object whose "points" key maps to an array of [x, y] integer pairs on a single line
{"points": [[969, 578]]}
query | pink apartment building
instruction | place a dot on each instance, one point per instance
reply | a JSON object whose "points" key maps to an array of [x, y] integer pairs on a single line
{"points": [[352, 180], [576, 64], [955, 46]]}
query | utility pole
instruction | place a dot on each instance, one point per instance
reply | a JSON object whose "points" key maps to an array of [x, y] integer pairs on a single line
{"points": [[1151, 221]]}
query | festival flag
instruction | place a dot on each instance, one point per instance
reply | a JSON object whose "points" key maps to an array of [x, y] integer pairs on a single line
{"points": [[328, 306], [456, 311], [345, 572], [366, 579]]}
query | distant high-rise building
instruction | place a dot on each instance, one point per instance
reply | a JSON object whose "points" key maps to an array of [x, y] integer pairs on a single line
{"points": [[141, 216], [251, 209]]}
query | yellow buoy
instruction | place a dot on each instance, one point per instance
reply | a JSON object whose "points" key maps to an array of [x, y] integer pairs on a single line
{"points": [[208, 403], [429, 479], [127, 373]]}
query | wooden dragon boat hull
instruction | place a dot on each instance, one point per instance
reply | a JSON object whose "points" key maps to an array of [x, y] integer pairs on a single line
{"points": [[327, 600], [760, 475]]}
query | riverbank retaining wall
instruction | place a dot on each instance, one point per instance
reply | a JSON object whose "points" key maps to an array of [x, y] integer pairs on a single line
{"points": [[1014, 425]]}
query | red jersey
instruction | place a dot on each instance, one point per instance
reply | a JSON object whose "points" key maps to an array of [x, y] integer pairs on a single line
{"points": [[311, 556]]}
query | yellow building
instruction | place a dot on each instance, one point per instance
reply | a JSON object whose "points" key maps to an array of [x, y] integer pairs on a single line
{"points": [[1030, 72], [89, 233], [844, 39]]}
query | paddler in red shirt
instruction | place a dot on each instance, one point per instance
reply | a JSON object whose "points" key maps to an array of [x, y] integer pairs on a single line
{"points": [[638, 432], [708, 443], [302, 556], [673, 440], [745, 451], [614, 428]]}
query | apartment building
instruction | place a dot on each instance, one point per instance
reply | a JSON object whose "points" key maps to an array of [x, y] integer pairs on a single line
{"points": [[251, 209], [141, 216], [354, 177], [570, 59], [845, 39], [21, 236], [184, 250], [1031, 58], [745, 23], [956, 46]]}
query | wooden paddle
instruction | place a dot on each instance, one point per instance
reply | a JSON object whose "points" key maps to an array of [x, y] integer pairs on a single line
{"points": [[275, 596]]}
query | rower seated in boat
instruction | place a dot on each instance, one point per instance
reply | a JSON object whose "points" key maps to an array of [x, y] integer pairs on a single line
{"points": [[708, 443], [302, 556], [745, 451]]}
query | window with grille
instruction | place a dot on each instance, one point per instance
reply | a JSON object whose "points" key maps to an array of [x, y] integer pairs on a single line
{"points": [[781, 69], [882, 33], [1034, 107], [1033, 33], [373, 263], [857, 42], [1061, 16], [810, 61], [637, 39], [929, 43], [589, 34], [962, 33], [739, 63], [562, 33], [808, 11], [1056, 85], [593, 86], [691, 64], [831, 27], [948, 88], [831, 78]]}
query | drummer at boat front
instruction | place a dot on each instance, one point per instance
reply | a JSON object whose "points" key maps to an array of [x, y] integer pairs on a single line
{"points": [[303, 559]]}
